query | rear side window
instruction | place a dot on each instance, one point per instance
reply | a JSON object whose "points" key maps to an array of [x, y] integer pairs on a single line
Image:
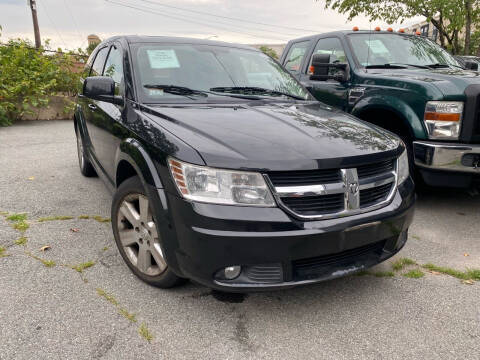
{"points": [[295, 56], [114, 68], [97, 67]]}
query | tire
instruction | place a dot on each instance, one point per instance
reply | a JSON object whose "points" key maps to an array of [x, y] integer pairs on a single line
{"points": [[86, 167], [137, 237]]}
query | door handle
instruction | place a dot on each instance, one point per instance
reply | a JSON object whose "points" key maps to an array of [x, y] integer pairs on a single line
{"points": [[92, 106]]}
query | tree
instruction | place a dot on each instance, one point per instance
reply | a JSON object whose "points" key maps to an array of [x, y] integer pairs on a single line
{"points": [[450, 17], [269, 51]]}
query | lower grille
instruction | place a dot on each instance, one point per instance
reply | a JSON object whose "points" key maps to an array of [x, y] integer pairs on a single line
{"points": [[374, 195], [268, 273], [314, 205], [317, 266]]}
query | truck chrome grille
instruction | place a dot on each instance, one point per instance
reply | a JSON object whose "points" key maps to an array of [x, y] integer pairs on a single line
{"points": [[330, 193]]}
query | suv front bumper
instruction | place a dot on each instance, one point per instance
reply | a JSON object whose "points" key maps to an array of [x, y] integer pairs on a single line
{"points": [[447, 164], [276, 250]]}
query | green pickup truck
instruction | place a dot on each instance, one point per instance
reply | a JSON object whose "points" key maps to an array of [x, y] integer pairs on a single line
{"points": [[404, 83]]}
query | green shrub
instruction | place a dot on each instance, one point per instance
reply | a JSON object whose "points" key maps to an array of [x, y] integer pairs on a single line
{"points": [[28, 77]]}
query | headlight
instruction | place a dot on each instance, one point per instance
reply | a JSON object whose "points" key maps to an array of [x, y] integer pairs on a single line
{"points": [[205, 184], [443, 119], [403, 168]]}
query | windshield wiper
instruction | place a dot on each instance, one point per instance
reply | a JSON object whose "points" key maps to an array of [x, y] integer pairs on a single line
{"points": [[395, 66], [185, 91], [176, 90], [253, 91], [442, 66]]}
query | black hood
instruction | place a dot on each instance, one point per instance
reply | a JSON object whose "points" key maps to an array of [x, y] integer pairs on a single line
{"points": [[268, 136]]}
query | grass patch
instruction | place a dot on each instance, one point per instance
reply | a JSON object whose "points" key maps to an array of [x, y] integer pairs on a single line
{"points": [[414, 274], [2, 252], [21, 241], [416, 237], [105, 248], [47, 263], [21, 226], [384, 274], [81, 267], [362, 273], [400, 264], [145, 333], [110, 298], [124, 312], [101, 219], [55, 218], [17, 217], [470, 274], [3, 213], [84, 217]]}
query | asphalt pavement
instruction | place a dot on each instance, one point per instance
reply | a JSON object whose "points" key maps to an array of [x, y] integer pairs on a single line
{"points": [[78, 300]]}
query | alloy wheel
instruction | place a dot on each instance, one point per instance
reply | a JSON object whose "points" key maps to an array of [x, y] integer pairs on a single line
{"points": [[139, 236]]}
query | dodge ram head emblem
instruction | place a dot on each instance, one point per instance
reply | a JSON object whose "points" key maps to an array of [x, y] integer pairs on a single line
{"points": [[353, 188]]}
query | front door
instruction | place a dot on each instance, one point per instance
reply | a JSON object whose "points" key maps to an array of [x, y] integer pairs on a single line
{"points": [[331, 92]]}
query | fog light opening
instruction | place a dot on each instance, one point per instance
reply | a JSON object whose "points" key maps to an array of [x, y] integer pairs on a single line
{"points": [[232, 272]]}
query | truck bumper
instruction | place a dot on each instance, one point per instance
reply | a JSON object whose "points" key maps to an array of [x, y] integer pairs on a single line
{"points": [[275, 250], [447, 164]]}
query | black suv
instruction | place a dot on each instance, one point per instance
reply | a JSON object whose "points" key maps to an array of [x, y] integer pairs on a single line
{"points": [[226, 171]]}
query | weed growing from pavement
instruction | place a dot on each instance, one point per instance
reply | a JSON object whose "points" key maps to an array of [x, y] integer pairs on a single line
{"points": [[84, 217], [400, 264], [2, 252], [105, 248], [81, 267], [47, 263], [101, 219], [414, 274], [21, 241], [145, 333], [3, 213], [469, 274], [17, 217], [124, 312], [21, 226], [110, 298], [55, 218]]}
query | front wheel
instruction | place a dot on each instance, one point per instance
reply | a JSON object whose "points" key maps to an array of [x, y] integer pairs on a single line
{"points": [[137, 236]]}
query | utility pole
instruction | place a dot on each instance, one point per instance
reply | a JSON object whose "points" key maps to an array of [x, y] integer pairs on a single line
{"points": [[33, 7]]}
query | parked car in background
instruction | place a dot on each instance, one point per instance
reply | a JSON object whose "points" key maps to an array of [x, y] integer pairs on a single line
{"points": [[404, 83], [225, 170]]}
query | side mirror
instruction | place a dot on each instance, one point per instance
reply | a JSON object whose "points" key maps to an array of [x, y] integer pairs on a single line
{"points": [[471, 65], [101, 88], [321, 65]]}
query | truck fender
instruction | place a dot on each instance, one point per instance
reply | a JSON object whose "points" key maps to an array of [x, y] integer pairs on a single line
{"points": [[395, 105]]}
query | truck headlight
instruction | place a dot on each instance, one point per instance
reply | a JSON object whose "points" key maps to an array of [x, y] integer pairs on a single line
{"points": [[218, 186], [403, 167], [443, 119]]}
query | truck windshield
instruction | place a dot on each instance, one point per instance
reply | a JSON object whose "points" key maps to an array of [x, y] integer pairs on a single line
{"points": [[380, 49], [203, 69]]}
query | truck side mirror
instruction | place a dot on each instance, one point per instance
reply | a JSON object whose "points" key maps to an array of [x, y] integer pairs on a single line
{"points": [[321, 64], [471, 65]]}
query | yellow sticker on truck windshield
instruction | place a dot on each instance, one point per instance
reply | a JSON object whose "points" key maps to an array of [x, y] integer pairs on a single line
{"points": [[162, 59]]}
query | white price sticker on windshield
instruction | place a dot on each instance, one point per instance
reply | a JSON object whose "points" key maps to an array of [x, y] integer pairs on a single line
{"points": [[377, 46], [163, 59]]}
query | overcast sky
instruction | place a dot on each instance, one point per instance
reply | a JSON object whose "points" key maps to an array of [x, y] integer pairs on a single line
{"points": [[67, 22]]}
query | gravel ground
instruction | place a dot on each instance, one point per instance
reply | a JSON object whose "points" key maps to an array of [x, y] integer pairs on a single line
{"points": [[57, 312]]}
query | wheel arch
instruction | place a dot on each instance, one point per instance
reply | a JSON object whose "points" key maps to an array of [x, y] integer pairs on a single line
{"points": [[380, 111]]}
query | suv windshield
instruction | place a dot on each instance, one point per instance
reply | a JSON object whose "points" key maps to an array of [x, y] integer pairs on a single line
{"points": [[380, 49], [202, 71]]}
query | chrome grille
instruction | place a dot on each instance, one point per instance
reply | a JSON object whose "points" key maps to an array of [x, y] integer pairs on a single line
{"points": [[322, 194]]}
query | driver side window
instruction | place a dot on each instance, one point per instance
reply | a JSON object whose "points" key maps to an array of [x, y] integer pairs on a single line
{"points": [[114, 68], [332, 47]]}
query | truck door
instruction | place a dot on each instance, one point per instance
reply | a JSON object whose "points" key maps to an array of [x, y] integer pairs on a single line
{"points": [[331, 92]]}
